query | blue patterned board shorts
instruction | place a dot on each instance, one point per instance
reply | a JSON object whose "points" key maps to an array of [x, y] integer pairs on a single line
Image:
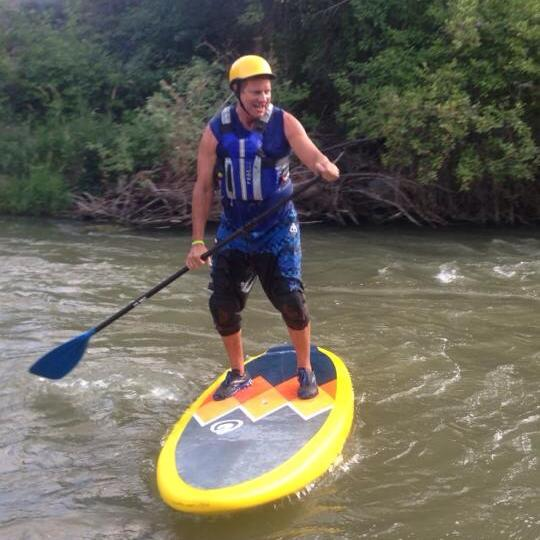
{"points": [[274, 256], [278, 249]]}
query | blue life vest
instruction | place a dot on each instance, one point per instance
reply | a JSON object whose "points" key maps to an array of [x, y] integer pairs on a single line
{"points": [[252, 166]]}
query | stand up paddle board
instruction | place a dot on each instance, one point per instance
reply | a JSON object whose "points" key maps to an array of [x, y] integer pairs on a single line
{"points": [[262, 443]]}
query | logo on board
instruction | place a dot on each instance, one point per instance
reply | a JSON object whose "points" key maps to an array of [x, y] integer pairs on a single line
{"points": [[225, 426]]}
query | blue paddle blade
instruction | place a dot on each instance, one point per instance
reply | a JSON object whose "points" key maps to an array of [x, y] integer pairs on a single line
{"points": [[61, 360]]}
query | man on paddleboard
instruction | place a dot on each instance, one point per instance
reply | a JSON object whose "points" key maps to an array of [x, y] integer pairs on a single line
{"points": [[249, 144]]}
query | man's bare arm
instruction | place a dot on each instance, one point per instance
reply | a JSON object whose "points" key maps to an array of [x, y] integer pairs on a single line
{"points": [[306, 151], [203, 194]]}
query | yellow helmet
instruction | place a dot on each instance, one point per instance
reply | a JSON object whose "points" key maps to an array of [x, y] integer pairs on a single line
{"points": [[248, 66]]}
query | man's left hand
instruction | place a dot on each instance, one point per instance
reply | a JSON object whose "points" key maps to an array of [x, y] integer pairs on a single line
{"points": [[327, 170]]}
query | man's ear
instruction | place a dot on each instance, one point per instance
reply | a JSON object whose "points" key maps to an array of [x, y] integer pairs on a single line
{"points": [[236, 87]]}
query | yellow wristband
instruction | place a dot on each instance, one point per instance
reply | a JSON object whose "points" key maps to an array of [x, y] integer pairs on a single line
{"points": [[197, 243]]}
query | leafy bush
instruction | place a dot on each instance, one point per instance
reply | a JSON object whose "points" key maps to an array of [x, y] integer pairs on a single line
{"points": [[42, 192], [179, 111]]}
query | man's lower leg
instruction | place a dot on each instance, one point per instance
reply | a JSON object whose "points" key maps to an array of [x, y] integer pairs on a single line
{"points": [[235, 350], [237, 378], [301, 340]]}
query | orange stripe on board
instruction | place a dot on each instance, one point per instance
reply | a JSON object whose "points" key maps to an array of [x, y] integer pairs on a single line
{"points": [[330, 388], [264, 403], [288, 389], [259, 385], [213, 409], [261, 398]]}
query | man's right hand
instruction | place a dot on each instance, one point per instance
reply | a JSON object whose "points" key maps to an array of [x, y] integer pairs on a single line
{"points": [[193, 259]]}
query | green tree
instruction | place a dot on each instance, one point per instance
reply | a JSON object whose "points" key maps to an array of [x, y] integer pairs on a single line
{"points": [[47, 67], [450, 87]]}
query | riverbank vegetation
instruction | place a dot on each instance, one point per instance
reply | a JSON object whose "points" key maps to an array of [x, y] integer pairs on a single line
{"points": [[431, 106]]}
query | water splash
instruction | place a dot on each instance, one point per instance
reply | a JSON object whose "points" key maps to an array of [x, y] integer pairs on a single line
{"points": [[448, 273]]}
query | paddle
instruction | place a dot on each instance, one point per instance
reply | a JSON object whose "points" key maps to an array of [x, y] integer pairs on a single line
{"points": [[60, 361]]}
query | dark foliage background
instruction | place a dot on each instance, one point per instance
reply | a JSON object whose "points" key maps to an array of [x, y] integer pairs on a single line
{"points": [[431, 105]]}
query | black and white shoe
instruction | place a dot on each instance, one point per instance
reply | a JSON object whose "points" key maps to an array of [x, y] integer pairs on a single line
{"points": [[233, 383]]}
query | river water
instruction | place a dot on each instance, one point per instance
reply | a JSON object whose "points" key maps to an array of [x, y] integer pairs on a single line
{"points": [[439, 330]]}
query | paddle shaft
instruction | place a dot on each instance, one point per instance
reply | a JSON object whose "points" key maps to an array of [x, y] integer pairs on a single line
{"points": [[239, 232]]}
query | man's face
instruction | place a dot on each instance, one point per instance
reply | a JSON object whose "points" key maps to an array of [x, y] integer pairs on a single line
{"points": [[256, 95]]}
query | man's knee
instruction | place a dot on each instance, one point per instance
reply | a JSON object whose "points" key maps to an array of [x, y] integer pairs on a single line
{"points": [[226, 314], [293, 309]]}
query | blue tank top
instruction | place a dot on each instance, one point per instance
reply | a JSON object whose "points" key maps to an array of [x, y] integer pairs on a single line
{"points": [[252, 166]]}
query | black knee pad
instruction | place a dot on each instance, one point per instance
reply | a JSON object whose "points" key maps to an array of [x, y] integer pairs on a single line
{"points": [[293, 309], [226, 314]]}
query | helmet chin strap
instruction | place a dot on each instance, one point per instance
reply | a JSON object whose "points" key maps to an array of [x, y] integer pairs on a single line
{"points": [[243, 107], [236, 91]]}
